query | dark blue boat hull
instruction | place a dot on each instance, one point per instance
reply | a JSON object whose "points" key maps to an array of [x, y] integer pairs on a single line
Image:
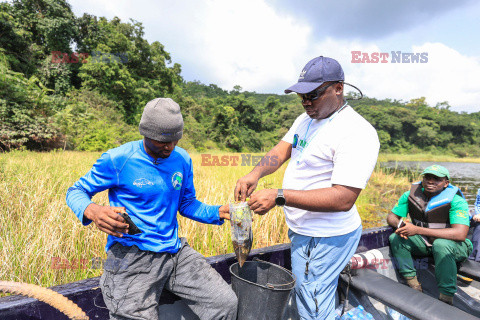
{"points": [[87, 295]]}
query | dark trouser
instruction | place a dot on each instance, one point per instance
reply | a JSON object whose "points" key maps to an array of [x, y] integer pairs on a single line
{"points": [[446, 254], [133, 280], [475, 241]]}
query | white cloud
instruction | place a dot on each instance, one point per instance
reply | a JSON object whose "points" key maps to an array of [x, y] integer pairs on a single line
{"points": [[447, 76], [254, 45], [227, 43], [249, 44], [369, 19]]}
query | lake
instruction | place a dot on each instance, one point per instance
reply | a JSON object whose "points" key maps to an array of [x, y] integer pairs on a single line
{"points": [[464, 175]]}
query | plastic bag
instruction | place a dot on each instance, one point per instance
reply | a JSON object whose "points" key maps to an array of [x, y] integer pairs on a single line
{"points": [[241, 227]]}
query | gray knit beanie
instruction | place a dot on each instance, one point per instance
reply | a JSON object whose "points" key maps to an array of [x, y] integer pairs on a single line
{"points": [[162, 120]]}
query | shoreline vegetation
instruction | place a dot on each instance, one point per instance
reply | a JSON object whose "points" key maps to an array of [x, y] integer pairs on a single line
{"points": [[55, 98], [384, 157], [42, 241]]}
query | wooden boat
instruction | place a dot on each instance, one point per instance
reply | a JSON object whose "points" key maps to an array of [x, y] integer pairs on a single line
{"points": [[374, 287]]}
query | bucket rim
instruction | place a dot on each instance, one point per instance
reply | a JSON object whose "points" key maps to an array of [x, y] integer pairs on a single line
{"points": [[292, 283]]}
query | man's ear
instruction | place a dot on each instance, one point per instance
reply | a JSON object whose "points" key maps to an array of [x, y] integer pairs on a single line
{"points": [[447, 182], [339, 88]]}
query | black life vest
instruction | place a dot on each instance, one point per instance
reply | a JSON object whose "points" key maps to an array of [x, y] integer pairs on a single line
{"points": [[431, 213]]}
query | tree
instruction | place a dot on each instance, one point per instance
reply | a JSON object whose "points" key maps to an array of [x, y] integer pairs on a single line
{"points": [[50, 23], [112, 79], [143, 75], [14, 41], [25, 112], [90, 122]]}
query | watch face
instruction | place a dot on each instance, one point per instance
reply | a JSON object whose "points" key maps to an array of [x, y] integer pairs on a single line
{"points": [[280, 201]]}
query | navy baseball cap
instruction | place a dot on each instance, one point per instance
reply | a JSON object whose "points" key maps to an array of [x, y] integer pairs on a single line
{"points": [[316, 72]]}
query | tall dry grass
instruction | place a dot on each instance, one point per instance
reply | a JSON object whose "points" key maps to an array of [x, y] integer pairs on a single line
{"points": [[36, 225]]}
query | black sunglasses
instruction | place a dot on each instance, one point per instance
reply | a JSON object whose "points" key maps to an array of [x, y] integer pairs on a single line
{"points": [[315, 94]]}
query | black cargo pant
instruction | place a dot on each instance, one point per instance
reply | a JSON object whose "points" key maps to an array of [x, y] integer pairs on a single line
{"points": [[133, 280]]}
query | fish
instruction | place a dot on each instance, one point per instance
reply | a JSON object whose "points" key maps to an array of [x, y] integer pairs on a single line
{"points": [[242, 248]]}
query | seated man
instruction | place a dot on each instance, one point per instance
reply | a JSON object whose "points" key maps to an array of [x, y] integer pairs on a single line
{"points": [[440, 223], [475, 223], [152, 179]]}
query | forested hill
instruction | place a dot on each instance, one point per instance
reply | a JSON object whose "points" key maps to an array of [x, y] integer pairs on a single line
{"points": [[81, 83]]}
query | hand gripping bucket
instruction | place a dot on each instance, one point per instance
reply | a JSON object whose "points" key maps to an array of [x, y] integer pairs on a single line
{"points": [[262, 288]]}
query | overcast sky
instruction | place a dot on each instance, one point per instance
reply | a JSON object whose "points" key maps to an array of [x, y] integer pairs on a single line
{"points": [[263, 45]]}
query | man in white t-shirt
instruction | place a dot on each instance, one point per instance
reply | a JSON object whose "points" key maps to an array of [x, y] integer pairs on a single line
{"points": [[332, 151]]}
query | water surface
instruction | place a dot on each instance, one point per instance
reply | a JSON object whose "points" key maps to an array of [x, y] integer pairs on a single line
{"points": [[464, 175]]}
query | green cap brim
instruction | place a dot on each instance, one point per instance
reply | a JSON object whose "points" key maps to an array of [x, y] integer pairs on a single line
{"points": [[437, 170]]}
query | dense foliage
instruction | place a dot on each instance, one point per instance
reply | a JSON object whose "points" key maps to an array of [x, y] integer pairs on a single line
{"points": [[414, 126], [81, 83]]}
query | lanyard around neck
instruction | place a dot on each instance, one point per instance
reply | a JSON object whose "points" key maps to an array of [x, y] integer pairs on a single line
{"points": [[329, 119]]}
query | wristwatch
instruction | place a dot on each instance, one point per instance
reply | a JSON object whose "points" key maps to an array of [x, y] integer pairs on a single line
{"points": [[280, 199]]}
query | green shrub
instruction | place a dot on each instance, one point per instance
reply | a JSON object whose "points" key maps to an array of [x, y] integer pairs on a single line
{"points": [[25, 112], [91, 123]]}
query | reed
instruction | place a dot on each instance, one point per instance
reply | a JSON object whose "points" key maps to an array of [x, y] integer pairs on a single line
{"points": [[42, 242]]}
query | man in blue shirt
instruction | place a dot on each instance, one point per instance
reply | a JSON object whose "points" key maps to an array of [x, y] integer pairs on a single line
{"points": [[151, 180]]}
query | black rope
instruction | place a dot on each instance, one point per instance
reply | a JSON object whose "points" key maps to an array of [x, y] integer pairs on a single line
{"points": [[351, 85]]}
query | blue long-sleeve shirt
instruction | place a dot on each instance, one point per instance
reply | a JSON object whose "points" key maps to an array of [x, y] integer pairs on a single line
{"points": [[476, 206], [152, 193]]}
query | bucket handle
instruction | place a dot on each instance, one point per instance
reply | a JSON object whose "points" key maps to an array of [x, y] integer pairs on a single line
{"points": [[277, 286]]}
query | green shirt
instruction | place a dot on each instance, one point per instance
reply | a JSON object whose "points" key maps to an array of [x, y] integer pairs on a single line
{"points": [[458, 210]]}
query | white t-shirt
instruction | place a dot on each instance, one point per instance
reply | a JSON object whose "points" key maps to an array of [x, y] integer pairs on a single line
{"points": [[340, 150]]}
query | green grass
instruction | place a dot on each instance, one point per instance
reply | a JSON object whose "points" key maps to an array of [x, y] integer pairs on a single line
{"points": [[36, 224]]}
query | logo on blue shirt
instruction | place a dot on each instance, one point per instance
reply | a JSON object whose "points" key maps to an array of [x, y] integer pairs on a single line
{"points": [[177, 179], [142, 182]]}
